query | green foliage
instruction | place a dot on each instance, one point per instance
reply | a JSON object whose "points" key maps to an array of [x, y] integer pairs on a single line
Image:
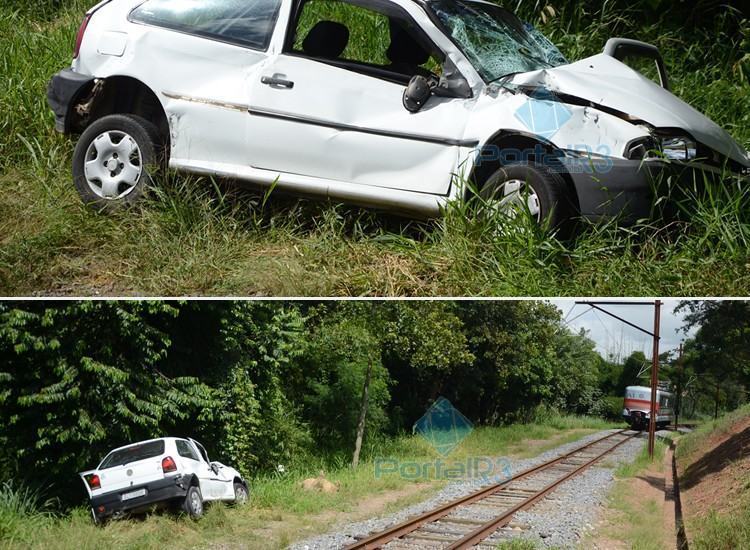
{"points": [[260, 426], [716, 530], [612, 407], [82, 376], [21, 513]]}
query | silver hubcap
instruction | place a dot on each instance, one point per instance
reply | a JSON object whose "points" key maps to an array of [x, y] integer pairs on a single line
{"points": [[195, 503], [240, 495], [517, 193], [113, 165]]}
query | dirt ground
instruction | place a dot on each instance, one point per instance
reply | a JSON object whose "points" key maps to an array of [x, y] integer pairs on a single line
{"points": [[717, 473], [641, 511]]}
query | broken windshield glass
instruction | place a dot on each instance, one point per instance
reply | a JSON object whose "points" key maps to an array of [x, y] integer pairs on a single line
{"points": [[495, 41]]}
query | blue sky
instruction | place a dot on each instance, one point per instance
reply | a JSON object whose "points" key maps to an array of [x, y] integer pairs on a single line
{"points": [[613, 337]]}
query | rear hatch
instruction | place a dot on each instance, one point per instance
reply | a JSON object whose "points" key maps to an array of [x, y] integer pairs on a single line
{"points": [[130, 466]]}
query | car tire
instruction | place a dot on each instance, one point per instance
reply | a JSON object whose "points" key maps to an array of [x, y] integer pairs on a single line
{"points": [[193, 503], [114, 161], [542, 188], [241, 494]]}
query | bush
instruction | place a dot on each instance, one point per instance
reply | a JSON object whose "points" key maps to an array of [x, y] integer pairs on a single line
{"points": [[612, 407], [21, 512]]}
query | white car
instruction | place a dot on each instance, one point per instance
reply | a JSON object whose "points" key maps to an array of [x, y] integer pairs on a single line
{"points": [[394, 104], [168, 470]]}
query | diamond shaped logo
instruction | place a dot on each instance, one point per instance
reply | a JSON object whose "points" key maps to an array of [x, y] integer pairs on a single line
{"points": [[443, 426], [543, 114]]}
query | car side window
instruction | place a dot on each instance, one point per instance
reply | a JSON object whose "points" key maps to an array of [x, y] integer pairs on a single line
{"points": [[184, 449], [247, 23], [364, 39]]}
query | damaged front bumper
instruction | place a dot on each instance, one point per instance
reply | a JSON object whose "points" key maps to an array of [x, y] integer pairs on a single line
{"points": [[628, 190], [64, 90]]}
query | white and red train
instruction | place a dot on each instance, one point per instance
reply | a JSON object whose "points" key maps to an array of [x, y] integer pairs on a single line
{"points": [[637, 407]]}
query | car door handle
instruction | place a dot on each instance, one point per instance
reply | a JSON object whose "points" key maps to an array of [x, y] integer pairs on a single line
{"points": [[275, 81]]}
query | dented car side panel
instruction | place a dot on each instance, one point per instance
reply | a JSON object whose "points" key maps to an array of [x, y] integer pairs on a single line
{"points": [[343, 134]]}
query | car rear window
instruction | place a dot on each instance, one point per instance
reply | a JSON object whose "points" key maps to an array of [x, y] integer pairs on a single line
{"points": [[247, 23], [133, 454]]}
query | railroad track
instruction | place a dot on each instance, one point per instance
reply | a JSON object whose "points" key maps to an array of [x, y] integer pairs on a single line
{"points": [[457, 524]]}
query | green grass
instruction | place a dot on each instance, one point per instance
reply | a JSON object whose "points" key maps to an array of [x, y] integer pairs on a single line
{"points": [[21, 513], [642, 461], [694, 440], [636, 521], [729, 528], [192, 237], [722, 531], [280, 511]]}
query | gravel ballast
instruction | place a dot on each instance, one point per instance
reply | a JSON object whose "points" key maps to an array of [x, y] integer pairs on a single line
{"points": [[560, 520]]}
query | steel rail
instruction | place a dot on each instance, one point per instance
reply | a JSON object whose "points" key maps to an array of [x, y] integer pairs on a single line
{"points": [[404, 528], [484, 531]]}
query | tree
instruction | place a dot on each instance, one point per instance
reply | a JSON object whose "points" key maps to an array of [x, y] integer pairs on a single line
{"points": [[80, 377]]}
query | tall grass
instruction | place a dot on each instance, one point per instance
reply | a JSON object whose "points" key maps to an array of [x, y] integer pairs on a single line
{"points": [[730, 527], [195, 236], [22, 513]]}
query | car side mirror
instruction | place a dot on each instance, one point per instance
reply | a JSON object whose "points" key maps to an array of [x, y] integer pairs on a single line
{"points": [[450, 84], [215, 467], [416, 94]]}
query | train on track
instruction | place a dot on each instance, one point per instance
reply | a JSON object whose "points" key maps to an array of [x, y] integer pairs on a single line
{"points": [[637, 407]]}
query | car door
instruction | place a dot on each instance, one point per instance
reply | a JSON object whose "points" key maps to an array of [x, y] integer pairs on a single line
{"points": [[197, 57], [331, 104], [214, 483]]}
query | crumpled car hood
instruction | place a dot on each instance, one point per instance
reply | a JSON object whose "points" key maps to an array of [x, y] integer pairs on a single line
{"points": [[605, 81]]}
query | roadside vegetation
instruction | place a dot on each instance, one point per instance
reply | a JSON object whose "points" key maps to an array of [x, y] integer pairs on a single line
{"points": [[195, 236], [715, 484], [275, 389], [280, 511]]}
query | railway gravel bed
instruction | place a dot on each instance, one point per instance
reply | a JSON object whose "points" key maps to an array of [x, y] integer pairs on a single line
{"points": [[560, 520]]}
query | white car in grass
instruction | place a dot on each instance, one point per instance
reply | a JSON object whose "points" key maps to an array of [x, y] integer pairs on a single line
{"points": [[394, 104], [158, 472]]}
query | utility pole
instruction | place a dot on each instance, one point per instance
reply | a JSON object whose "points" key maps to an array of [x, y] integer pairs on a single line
{"points": [[654, 379], [655, 361], [678, 397]]}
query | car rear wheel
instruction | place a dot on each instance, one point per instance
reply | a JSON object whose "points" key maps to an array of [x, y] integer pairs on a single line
{"points": [[193, 503], [534, 188], [114, 160], [240, 494]]}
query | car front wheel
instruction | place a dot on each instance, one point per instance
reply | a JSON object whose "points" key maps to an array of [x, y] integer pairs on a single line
{"points": [[537, 189], [114, 160], [193, 503], [240, 494]]}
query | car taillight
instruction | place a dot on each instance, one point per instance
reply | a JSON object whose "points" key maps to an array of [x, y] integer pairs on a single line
{"points": [[79, 36], [168, 465], [94, 481]]}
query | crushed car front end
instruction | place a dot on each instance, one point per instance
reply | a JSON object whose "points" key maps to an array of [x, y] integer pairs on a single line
{"points": [[619, 138]]}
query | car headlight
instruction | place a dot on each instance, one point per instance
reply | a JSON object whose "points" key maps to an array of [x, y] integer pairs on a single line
{"points": [[679, 148]]}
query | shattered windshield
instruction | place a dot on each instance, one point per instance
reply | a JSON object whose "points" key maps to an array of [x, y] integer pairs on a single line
{"points": [[495, 41]]}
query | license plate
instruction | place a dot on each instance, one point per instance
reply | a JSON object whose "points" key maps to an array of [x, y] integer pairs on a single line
{"points": [[134, 494]]}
